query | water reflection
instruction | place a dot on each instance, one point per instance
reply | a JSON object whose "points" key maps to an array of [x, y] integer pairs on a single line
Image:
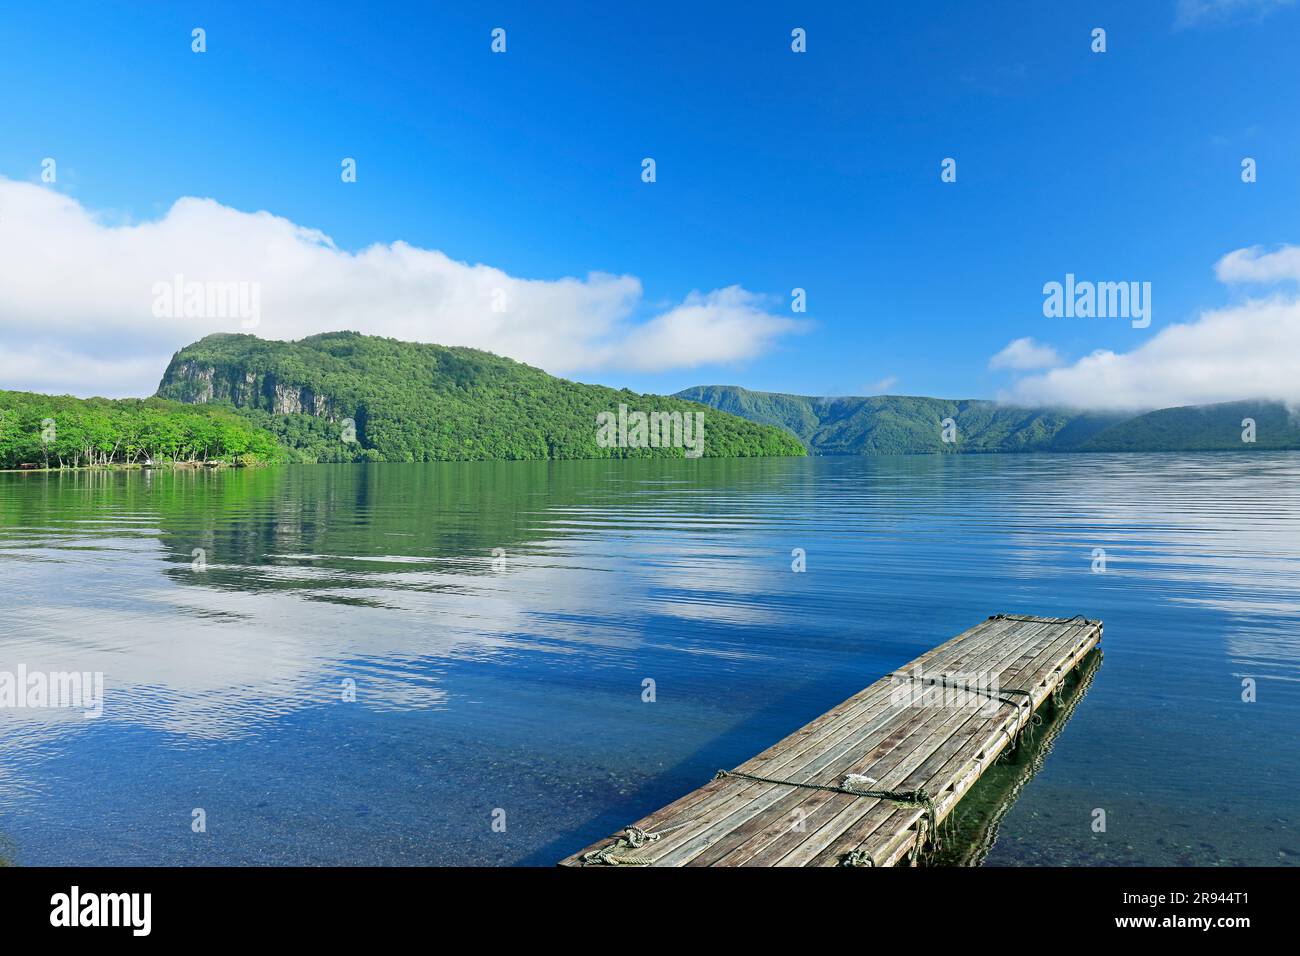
{"points": [[498, 621]]}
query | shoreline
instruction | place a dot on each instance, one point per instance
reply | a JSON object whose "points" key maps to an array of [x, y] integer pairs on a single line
{"points": [[983, 453], [120, 466]]}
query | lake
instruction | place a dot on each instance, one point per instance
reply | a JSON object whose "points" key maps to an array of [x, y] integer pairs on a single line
{"points": [[495, 622]]}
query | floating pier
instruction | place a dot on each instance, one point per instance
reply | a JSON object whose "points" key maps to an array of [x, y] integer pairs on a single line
{"points": [[871, 782]]}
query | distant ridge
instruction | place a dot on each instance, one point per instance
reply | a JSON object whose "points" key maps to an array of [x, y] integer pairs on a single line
{"points": [[904, 425]]}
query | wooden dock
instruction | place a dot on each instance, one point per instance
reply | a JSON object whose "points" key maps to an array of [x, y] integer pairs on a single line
{"points": [[870, 782]]}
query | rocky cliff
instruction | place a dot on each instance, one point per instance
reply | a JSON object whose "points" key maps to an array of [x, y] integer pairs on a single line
{"points": [[188, 380]]}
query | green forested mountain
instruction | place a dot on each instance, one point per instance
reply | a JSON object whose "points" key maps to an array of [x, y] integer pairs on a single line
{"points": [[1204, 428], [889, 424], [58, 431], [410, 402]]}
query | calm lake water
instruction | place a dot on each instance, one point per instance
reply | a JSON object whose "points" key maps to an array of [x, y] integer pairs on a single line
{"points": [[511, 679]]}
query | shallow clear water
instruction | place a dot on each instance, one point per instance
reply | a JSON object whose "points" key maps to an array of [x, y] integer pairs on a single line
{"points": [[515, 683]]}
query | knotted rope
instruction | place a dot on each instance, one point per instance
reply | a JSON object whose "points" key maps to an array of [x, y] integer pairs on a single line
{"points": [[633, 838]]}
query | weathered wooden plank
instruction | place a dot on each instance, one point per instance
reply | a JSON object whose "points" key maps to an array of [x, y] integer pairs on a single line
{"points": [[735, 821]]}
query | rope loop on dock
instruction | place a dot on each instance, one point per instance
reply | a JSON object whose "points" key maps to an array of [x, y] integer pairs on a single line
{"points": [[857, 858], [632, 838]]}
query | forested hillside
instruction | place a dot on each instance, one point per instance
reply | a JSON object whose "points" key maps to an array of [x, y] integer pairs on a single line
{"points": [[902, 425], [890, 424], [1205, 428], [403, 401]]}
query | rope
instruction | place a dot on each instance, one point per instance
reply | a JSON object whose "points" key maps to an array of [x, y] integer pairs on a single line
{"points": [[1035, 720], [899, 796], [1029, 697], [1078, 618], [928, 820], [633, 838]]}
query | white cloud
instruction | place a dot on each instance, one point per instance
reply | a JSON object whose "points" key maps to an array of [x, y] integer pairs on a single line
{"points": [[1255, 265], [1246, 351], [1025, 353], [883, 386], [727, 323], [77, 295], [1196, 12]]}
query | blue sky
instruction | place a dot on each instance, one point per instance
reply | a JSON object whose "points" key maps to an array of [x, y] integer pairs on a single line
{"points": [[775, 170]]}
